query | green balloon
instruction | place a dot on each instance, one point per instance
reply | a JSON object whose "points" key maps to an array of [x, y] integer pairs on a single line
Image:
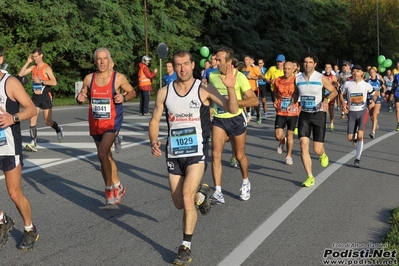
{"points": [[210, 58], [202, 63], [380, 59], [204, 51], [387, 63], [381, 69]]}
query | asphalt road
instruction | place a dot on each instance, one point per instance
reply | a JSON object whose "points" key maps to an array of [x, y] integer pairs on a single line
{"points": [[282, 223]]}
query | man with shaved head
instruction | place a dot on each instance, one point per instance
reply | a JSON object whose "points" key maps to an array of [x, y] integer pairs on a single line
{"points": [[285, 95]]}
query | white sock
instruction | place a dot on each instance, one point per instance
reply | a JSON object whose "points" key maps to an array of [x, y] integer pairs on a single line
{"points": [[108, 188], [218, 188], [187, 244], [201, 198], [29, 228], [1, 216], [117, 184], [359, 149], [245, 181]]}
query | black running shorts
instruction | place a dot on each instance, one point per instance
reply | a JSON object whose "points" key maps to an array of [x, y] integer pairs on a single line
{"points": [[233, 126], [281, 121], [178, 166], [312, 123], [43, 101], [8, 163]]}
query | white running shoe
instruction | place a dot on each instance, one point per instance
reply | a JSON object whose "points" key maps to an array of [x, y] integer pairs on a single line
{"points": [[280, 147], [217, 197], [31, 146], [118, 143], [245, 191], [249, 117], [264, 116], [60, 135], [288, 161]]}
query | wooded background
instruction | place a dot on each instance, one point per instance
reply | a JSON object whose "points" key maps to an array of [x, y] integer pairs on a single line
{"points": [[69, 31]]}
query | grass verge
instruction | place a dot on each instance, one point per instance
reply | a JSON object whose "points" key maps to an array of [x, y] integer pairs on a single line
{"points": [[392, 237]]}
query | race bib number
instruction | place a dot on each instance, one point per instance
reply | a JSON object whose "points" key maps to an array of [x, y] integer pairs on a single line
{"points": [[184, 141], [285, 102], [308, 103], [37, 88], [3, 137], [101, 108], [356, 99]]}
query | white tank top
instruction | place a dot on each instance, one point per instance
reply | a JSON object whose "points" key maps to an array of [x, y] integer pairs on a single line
{"points": [[10, 137], [188, 122], [310, 92]]}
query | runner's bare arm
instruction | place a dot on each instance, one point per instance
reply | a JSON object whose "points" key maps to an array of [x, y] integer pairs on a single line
{"points": [[124, 84], [16, 92], [25, 69], [82, 96], [52, 80]]}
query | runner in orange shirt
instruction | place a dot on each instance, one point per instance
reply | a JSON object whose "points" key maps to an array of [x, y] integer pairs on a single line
{"points": [[253, 73], [285, 95]]}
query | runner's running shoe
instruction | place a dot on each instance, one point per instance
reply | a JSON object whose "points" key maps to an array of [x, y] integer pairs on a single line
{"points": [[264, 116], [234, 163], [60, 135], [324, 160], [397, 128], [310, 181], [249, 117], [217, 197], [28, 239], [109, 197], [245, 191], [5, 227], [118, 143], [118, 193], [205, 206], [183, 256], [281, 145], [372, 135], [31, 146], [356, 163], [331, 127], [289, 161], [258, 120]]}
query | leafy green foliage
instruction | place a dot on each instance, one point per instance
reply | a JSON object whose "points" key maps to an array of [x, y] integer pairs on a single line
{"points": [[70, 30]]}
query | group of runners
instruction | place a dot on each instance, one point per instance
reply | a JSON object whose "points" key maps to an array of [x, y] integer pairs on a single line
{"points": [[196, 108]]}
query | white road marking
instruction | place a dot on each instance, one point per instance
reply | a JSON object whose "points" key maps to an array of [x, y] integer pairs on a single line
{"points": [[38, 162], [54, 163], [254, 240]]}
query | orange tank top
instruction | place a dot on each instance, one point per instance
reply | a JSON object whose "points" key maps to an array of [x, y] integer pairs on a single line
{"points": [[40, 73], [104, 114], [284, 88]]}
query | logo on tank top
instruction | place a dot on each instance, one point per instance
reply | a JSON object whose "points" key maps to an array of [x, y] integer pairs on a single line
{"points": [[2, 99], [194, 104], [183, 117]]}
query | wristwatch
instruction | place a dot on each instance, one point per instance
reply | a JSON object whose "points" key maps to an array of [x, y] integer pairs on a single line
{"points": [[15, 118]]}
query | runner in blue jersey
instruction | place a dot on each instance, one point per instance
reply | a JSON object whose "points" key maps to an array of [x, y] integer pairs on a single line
{"points": [[379, 88]]}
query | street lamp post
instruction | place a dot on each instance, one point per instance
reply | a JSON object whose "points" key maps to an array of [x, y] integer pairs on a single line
{"points": [[145, 27], [378, 33]]}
